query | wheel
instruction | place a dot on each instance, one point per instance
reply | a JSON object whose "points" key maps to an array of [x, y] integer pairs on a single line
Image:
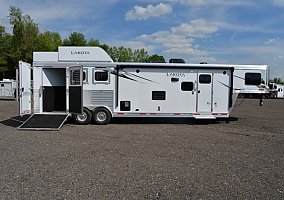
{"points": [[84, 118], [101, 116]]}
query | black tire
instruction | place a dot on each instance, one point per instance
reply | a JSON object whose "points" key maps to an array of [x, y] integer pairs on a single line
{"points": [[84, 118], [101, 116]]}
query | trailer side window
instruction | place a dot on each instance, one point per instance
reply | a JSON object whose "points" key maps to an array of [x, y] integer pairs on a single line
{"points": [[158, 95], [85, 75], [205, 79], [187, 86], [101, 76], [252, 78]]}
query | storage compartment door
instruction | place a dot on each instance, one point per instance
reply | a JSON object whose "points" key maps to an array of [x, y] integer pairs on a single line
{"points": [[221, 88], [75, 88], [25, 88]]}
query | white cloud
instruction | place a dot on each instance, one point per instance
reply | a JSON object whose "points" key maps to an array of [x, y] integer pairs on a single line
{"points": [[138, 45], [196, 28], [140, 13], [278, 2], [216, 2], [181, 39], [202, 59], [239, 27], [271, 41]]}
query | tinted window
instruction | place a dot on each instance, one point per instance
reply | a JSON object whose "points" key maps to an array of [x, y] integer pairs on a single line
{"points": [[205, 79], [101, 76], [158, 95], [174, 79], [252, 78], [176, 60], [187, 86], [85, 75]]}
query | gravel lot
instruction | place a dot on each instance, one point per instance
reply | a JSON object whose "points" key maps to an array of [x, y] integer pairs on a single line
{"points": [[147, 159]]}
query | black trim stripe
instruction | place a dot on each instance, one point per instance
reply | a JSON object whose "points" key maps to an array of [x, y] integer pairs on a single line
{"points": [[171, 67], [232, 88]]}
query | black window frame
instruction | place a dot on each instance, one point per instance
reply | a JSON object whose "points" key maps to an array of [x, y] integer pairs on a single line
{"points": [[186, 87], [251, 79], [203, 80], [101, 70], [159, 95]]}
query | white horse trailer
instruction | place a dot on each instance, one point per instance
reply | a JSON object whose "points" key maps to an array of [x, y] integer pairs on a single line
{"points": [[276, 90], [8, 89], [85, 83], [251, 79]]}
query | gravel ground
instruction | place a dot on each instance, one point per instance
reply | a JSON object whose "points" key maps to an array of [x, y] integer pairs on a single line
{"points": [[147, 159]]}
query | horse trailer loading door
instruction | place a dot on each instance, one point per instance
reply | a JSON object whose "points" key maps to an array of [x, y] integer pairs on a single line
{"points": [[75, 88], [25, 88], [54, 89]]}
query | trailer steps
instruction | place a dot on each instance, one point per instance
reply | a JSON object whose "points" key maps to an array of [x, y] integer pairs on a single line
{"points": [[48, 122], [204, 117]]}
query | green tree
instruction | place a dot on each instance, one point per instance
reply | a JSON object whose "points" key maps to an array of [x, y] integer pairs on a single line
{"points": [[48, 41], [3, 48], [278, 81], [125, 54], [93, 43], [25, 33], [113, 53], [105, 47], [140, 55], [75, 39], [156, 59]]}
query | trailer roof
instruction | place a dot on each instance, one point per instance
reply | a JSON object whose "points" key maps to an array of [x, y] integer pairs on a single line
{"points": [[148, 65]]}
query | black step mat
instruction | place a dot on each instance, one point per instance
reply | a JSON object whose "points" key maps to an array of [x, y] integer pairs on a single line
{"points": [[44, 122]]}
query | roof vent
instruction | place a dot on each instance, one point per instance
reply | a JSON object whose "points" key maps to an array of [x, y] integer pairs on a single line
{"points": [[176, 60]]}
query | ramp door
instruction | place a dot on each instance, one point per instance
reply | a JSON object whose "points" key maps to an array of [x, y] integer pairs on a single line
{"points": [[44, 122]]}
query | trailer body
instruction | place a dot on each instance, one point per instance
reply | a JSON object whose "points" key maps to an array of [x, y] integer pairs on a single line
{"points": [[276, 90], [8, 89], [251, 79], [85, 83]]}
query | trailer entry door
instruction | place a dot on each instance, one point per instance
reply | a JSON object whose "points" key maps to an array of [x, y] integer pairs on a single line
{"points": [[25, 88], [204, 102], [75, 89]]}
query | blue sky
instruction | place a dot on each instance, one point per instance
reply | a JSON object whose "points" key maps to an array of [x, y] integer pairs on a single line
{"points": [[214, 31]]}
